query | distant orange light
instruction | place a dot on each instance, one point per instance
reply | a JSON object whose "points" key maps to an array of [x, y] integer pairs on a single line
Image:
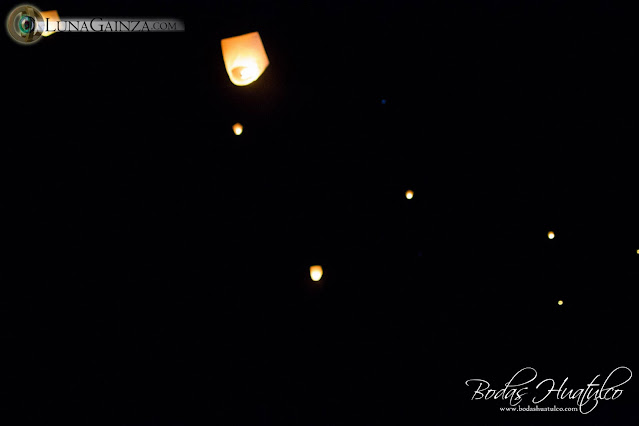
{"points": [[316, 272], [561, 302], [551, 235], [409, 194], [237, 129], [54, 18]]}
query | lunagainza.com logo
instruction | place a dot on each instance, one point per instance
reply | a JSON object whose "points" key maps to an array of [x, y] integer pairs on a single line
{"points": [[25, 24]]}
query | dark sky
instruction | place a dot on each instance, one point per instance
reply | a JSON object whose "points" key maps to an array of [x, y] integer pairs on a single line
{"points": [[157, 266]]}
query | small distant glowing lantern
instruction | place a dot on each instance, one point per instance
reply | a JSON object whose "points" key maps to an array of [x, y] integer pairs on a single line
{"points": [[551, 235], [54, 18], [244, 58], [237, 129], [637, 251], [561, 302], [316, 272], [409, 194]]}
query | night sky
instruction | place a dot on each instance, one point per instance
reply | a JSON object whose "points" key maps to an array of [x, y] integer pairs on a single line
{"points": [[156, 266]]}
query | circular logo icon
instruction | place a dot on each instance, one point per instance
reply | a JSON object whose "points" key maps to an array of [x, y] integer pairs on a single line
{"points": [[25, 24]]}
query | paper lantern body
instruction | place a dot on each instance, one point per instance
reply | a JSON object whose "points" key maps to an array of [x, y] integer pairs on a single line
{"points": [[54, 18], [244, 58], [551, 235], [409, 194], [316, 272], [237, 129]]}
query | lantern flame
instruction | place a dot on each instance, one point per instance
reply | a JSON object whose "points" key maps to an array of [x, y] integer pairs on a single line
{"points": [[249, 72]]}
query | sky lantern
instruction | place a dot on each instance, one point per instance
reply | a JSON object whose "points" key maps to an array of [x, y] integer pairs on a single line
{"points": [[244, 58], [560, 302], [409, 194], [551, 235], [238, 128], [54, 18], [316, 272]]}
